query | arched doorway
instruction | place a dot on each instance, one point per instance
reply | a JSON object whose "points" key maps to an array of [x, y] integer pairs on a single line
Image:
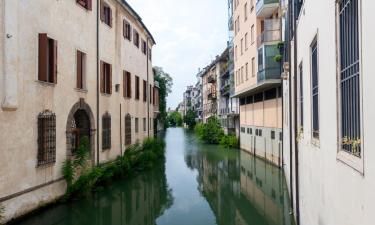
{"points": [[80, 123]]}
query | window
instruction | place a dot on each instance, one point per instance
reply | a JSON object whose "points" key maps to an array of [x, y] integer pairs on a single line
{"points": [[128, 130], [136, 87], [127, 86], [238, 24], [245, 11], [300, 89], [151, 94], [81, 70], [241, 74], [246, 42], [149, 54], [106, 14], [144, 91], [127, 30], [136, 125], [252, 34], [243, 129], [106, 131], [350, 77], [253, 67], [87, 4], [144, 47], [247, 71], [235, 53], [46, 138], [273, 135], [136, 38], [315, 89], [47, 64], [105, 78], [144, 124]]}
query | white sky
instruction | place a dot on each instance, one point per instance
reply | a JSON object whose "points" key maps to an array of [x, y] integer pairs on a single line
{"points": [[188, 35]]}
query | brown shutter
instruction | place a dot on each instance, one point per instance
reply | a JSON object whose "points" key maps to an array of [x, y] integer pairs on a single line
{"points": [[43, 54], [110, 16], [101, 10], [79, 69], [124, 28], [124, 83], [89, 4], [54, 68], [129, 85], [101, 77], [110, 79]]}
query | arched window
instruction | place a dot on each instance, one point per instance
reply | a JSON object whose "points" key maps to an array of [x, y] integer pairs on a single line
{"points": [[46, 138], [106, 134], [128, 129]]}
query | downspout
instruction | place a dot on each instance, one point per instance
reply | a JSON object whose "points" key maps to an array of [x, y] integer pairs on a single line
{"points": [[290, 106], [147, 87], [97, 80], [120, 131], [295, 112]]}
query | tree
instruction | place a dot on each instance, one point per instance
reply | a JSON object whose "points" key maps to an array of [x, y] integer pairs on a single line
{"points": [[175, 119], [165, 88], [189, 119]]}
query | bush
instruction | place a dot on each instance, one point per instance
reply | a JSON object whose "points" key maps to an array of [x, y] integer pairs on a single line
{"points": [[210, 132], [137, 157], [189, 119], [229, 141]]}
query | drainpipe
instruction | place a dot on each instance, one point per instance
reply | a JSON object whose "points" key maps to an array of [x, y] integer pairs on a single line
{"points": [[120, 131], [290, 105], [295, 111], [148, 85], [10, 61], [97, 80]]}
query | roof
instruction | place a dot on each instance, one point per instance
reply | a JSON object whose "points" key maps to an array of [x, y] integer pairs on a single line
{"points": [[135, 14]]}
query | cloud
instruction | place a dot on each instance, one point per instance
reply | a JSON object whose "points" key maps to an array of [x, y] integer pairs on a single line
{"points": [[188, 33]]}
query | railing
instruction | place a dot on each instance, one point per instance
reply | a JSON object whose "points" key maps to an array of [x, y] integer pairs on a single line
{"points": [[261, 3], [211, 79], [271, 33]]}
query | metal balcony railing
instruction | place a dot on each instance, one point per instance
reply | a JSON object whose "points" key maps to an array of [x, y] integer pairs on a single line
{"points": [[263, 4], [211, 79], [271, 32]]}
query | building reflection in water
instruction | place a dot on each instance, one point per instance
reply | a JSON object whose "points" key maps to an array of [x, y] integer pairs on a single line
{"points": [[136, 201], [240, 188]]}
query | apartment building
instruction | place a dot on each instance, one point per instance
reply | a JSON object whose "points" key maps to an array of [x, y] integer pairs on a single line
{"points": [[197, 99], [330, 167], [68, 69], [258, 48]]}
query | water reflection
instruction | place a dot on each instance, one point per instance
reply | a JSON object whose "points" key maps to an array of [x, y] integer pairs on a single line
{"points": [[137, 201], [239, 188]]}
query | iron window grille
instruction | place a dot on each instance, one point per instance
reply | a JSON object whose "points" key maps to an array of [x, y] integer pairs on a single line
{"points": [[350, 88], [46, 138], [315, 89], [106, 135], [128, 130]]}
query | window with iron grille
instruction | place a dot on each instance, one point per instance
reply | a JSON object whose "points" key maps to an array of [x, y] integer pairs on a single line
{"points": [[128, 129], [136, 125], [315, 89], [300, 89], [46, 138], [106, 135], [349, 83]]}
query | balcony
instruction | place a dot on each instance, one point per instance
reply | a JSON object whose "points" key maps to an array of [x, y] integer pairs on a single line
{"points": [[225, 90], [211, 93], [265, 8], [268, 67], [271, 32], [211, 79]]}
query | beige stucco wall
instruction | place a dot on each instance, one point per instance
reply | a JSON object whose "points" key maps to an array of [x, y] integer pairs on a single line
{"points": [[74, 28]]}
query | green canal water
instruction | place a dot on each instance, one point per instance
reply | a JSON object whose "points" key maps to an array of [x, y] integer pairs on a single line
{"points": [[198, 184]]}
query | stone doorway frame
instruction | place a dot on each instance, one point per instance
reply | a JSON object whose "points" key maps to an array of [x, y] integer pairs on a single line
{"points": [[80, 105]]}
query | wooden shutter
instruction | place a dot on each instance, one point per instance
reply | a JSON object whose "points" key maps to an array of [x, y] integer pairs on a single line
{"points": [[79, 69], [124, 83], [110, 16], [101, 77], [101, 10], [43, 54], [89, 4], [54, 62], [124, 28], [129, 85], [109, 132], [110, 79]]}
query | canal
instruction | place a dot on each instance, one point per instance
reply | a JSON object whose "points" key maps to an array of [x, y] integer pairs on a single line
{"points": [[198, 184]]}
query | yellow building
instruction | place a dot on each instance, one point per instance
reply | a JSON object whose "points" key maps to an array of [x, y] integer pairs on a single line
{"points": [[257, 68]]}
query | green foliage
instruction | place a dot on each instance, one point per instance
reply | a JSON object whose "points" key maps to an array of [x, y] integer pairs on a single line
{"points": [[212, 133], [189, 119], [165, 88], [229, 141], [136, 158], [68, 171], [278, 58], [174, 119], [82, 153], [2, 211]]}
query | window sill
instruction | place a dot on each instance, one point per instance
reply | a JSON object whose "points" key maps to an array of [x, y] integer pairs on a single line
{"points": [[106, 149], [350, 160], [82, 90], [107, 25], [45, 83], [106, 95]]}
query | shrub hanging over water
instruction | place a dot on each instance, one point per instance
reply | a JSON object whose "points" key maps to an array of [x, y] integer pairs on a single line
{"points": [[82, 180]]}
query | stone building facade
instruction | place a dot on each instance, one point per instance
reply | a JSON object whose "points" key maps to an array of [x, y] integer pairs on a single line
{"points": [[68, 69]]}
